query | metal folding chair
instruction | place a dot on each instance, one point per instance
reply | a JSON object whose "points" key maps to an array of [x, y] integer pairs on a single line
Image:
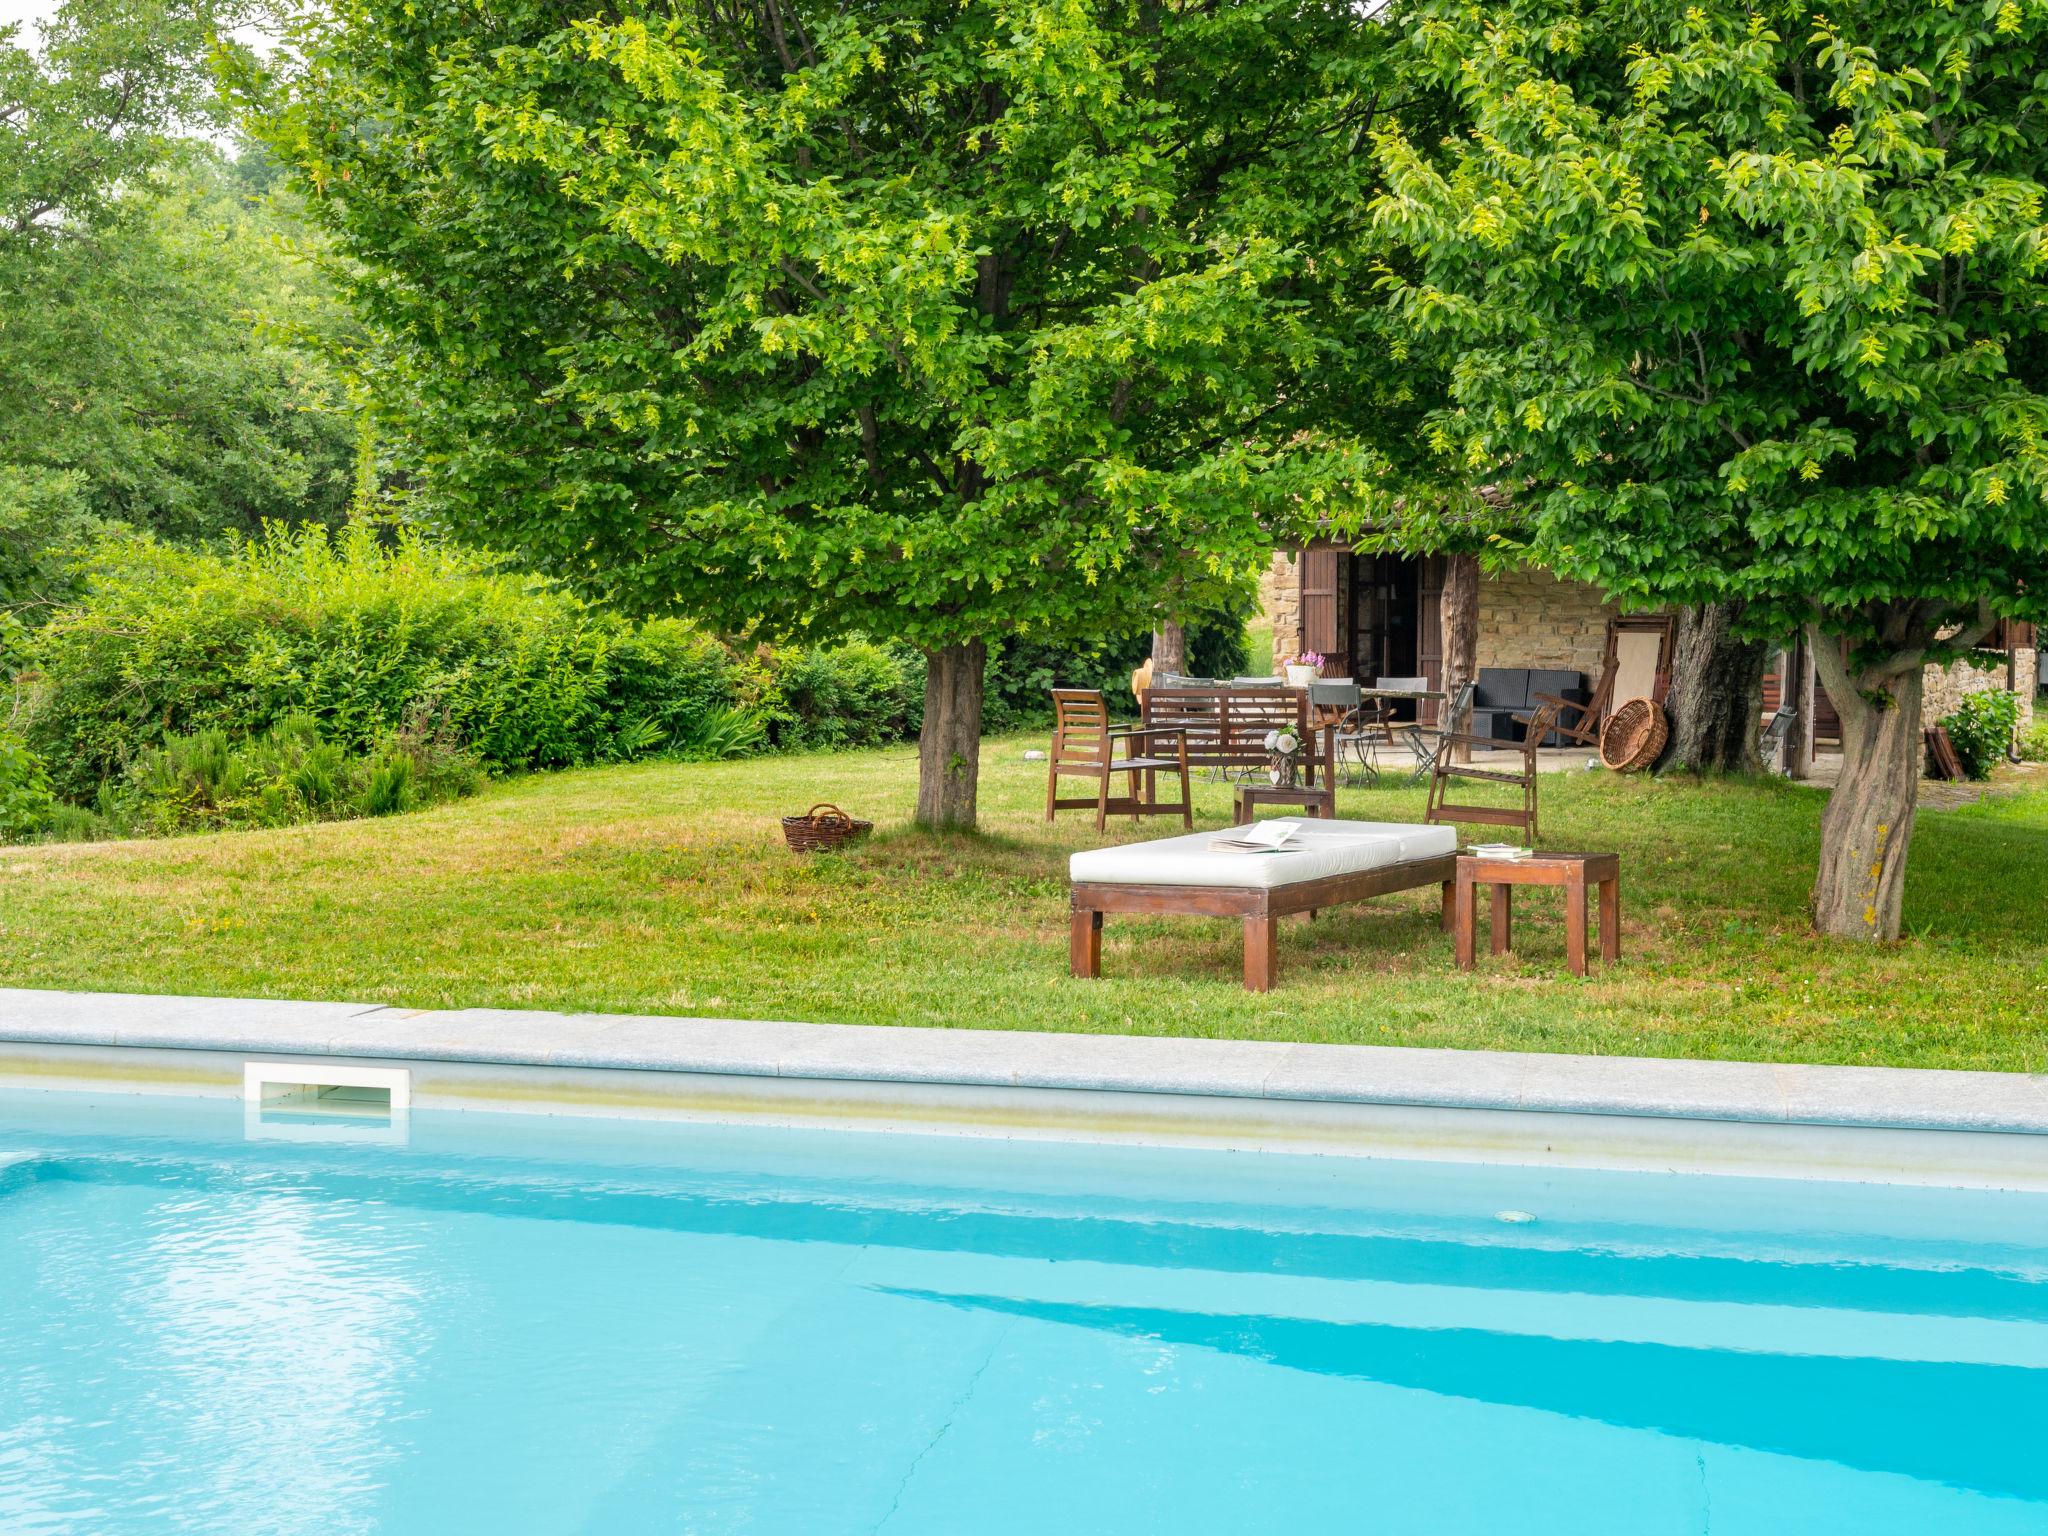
{"points": [[1359, 728], [1427, 742]]}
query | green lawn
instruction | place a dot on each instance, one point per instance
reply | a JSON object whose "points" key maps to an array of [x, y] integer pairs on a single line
{"points": [[664, 888]]}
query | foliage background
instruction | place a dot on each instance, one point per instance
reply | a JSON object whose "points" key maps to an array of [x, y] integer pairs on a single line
{"points": [[1981, 728], [167, 362], [186, 687], [361, 635]]}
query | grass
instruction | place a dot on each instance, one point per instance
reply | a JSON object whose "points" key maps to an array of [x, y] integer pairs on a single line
{"points": [[664, 888]]}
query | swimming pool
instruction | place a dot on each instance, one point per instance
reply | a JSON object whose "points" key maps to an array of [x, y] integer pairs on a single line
{"points": [[519, 1323]]}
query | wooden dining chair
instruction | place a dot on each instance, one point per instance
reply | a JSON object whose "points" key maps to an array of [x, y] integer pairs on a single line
{"points": [[1085, 745]]}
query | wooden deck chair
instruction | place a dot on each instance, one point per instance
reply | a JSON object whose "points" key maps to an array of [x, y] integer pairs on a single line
{"points": [[1085, 745], [1637, 665]]}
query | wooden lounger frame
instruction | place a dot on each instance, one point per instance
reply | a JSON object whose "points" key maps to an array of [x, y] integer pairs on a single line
{"points": [[1260, 908]]}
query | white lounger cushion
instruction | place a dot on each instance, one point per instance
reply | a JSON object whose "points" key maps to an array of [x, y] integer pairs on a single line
{"points": [[1319, 849]]}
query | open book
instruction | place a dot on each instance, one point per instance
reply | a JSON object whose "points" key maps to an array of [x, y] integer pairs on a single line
{"points": [[1260, 837]]}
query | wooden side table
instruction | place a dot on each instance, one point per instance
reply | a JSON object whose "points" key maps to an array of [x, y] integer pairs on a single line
{"points": [[1573, 871], [1319, 800]]}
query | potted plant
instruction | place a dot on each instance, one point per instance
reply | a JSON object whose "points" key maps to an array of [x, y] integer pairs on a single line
{"points": [[1302, 670]]}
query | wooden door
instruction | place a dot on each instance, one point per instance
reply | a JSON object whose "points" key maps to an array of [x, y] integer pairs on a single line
{"points": [[1429, 626], [1368, 617], [1325, 626], [1825, 729]]}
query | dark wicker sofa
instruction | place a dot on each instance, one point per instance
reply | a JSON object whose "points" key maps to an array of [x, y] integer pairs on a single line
{"points": [[1505, 692]]}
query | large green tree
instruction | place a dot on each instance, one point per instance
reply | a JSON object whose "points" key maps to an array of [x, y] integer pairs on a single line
{"points": [[944, 321], [173, 367], [92, 103], [1747, 307], [149, 371]]}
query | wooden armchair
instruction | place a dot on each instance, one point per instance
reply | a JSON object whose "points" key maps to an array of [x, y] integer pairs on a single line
{"points": [[1638, 658], [1445, 771], [1085, 745]]}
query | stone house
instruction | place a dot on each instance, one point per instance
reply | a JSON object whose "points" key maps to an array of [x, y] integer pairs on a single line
{"points": [[1374, 615]]}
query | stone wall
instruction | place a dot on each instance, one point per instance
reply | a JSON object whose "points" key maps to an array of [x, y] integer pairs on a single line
{"points": [[1530, 618], [1526, 619], [1946, 685], [1280, 601]]}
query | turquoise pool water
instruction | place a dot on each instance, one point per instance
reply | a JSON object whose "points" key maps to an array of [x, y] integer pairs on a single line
{"points": [[520, 1324]]}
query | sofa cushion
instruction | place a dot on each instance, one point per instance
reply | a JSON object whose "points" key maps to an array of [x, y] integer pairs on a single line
{"points": [[1502, 688], [1566, 685], [1319, 849]]}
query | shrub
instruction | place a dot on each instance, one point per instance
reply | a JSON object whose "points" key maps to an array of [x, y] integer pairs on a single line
{"points": [[388, 785], [665, 678], [287, 776], [722, 734], [75, 824], [853, 694], [358, 636], [26, 802], [1022, 676], [1982, 729], [2034, 745]]}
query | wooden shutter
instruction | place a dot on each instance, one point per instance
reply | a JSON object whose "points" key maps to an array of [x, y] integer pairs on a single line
{"points": [[2008, 635], [1321, 623], [1429, 630]]}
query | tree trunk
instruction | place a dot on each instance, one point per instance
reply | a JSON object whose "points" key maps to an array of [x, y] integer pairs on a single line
{"points": [[949, 744], [1460, 608], [1868, 824], [1169, 648], [1716, 696]]}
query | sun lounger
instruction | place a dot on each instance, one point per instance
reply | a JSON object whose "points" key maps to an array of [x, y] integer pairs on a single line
{"points": [[1324, 864]]}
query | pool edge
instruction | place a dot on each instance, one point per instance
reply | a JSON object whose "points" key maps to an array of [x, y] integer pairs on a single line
{"points": [[1871, 1123]]}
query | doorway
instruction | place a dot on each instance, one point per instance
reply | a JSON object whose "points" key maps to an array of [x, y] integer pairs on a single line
{"points": [[1397, 619]]}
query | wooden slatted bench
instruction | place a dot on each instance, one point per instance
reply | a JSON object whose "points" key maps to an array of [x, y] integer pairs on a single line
{"points": [[1226, 727]]}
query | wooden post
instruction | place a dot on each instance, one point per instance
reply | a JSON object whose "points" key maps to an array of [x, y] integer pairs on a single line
{"points": [[1502, 913], [1799, 746], [1610, 919], [1460, 610]]}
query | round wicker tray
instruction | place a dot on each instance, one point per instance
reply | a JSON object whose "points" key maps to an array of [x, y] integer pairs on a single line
{"points": [[1634, 736], [822, 828]]}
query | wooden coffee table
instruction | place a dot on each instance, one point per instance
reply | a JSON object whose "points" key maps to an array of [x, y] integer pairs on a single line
{"points": [[1317, 799], [1573, 871]]}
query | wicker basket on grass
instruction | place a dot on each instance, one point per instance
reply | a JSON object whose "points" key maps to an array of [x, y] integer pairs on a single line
{"points": [[1634, 736], [823, 828]]}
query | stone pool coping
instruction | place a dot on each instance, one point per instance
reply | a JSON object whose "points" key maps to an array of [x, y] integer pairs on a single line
{"points": [[1888, 1098]]}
